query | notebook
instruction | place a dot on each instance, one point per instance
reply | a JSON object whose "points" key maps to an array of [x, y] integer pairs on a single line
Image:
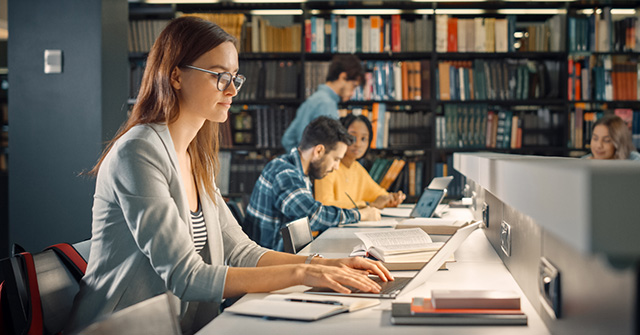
{"points": [[393, 289], [424, 208]]}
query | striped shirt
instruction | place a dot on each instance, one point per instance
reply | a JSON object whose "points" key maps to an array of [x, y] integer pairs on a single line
{"points": [[283, 194], [199, 229]]}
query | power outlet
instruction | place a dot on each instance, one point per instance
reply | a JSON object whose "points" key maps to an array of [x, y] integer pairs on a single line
{"points": [[485, 214], [549, 286], [505, 238]]}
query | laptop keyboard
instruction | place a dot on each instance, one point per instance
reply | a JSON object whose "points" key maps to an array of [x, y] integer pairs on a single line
{"points": [[387, 287]]}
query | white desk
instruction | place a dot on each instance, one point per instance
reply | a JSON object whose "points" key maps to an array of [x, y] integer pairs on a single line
{"points": [[477, 267]]}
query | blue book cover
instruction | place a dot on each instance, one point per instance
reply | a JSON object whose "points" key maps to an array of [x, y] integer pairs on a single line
{"points": [[314, 36], [334, 33], [511, 28], [382, 110]]}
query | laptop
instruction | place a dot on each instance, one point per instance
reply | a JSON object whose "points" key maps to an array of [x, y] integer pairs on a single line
{"points": [[393, 289], [440, 183], [424, 208]]}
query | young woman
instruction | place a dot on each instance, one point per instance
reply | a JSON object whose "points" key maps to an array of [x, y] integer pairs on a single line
{"points": [[611, 139], [159, 222], [352, 180]]}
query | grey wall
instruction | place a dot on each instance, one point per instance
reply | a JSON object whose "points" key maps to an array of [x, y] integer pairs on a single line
{"points": [[58, 122], [597, 298]]}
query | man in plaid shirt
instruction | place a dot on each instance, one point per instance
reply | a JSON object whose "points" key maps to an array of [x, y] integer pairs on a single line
{"points": [[283, 193]]}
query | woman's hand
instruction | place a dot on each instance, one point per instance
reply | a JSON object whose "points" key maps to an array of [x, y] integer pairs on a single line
{"points": [[389, 200], [336, 278], [396, 199], [360, 263]]}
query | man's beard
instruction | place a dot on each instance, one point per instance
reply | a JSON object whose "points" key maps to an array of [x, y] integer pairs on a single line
{"points": [[316, 170]]}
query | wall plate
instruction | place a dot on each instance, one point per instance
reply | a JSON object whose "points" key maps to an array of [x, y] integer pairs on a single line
{"points": [[52, 61], [485, 214], [505, 238], [549, 285]]}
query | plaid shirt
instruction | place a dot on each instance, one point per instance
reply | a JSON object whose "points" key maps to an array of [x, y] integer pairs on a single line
{"points": [[283, 194]]}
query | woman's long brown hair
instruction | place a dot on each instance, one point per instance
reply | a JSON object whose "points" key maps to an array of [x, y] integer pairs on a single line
{"points": [[181, 42]]}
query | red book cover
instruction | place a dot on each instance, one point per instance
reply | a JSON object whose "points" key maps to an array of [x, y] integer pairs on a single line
{"points": [[395, 33], [452, 31], [423, 306], [307, 35]]}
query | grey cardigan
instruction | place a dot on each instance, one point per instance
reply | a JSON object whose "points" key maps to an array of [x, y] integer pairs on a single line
{"points": [[142, 244]]}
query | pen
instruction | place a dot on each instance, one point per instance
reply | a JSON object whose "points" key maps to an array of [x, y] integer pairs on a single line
{"points": [[327, 302], [353, 202]]}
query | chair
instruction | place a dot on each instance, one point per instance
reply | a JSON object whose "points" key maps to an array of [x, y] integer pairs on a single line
{"points": [[152, 316], [296, 235], [38, 290]]}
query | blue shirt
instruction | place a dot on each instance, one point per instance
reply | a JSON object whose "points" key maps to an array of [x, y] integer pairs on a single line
{"points": [[283, 194], [323, 102]]}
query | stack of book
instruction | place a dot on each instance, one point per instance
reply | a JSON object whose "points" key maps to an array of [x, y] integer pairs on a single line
{"points": [[461, 307]]}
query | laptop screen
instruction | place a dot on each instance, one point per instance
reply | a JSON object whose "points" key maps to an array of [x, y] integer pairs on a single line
{"points": [[426, 206]]}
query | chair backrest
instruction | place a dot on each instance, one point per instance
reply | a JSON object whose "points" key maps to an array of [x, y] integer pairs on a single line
{"points": [[39, 289], [296, 235], [152, 316]]}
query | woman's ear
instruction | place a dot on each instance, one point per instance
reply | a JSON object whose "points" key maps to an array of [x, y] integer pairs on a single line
{"points": [[176, 78]]}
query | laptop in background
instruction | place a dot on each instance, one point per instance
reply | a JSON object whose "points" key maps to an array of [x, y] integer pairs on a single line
{"points": [[440, 183], [424, 208], [401, 285]]}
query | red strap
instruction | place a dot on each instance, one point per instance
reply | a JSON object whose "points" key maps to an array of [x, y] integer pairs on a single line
{"points": [[36, 326], [72, 254]]}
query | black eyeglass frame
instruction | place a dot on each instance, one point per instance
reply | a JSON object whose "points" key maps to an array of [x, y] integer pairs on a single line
{"points": [[219, 75]]}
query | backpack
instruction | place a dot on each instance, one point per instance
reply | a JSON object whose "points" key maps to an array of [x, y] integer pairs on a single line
{"points": [[38, 290]]}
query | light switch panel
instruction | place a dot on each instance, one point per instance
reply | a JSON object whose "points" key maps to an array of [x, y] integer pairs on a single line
{"points": [[52, 61], [505, 238]]}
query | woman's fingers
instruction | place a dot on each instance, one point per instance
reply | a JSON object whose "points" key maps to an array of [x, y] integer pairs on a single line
{"points": [[337, 278]]}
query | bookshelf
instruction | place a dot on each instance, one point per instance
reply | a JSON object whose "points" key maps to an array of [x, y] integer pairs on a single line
{"points": [[488, 76]]}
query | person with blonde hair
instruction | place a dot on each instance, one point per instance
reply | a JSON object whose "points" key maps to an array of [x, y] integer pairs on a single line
{"points": [[159, 222], [611, 139]]}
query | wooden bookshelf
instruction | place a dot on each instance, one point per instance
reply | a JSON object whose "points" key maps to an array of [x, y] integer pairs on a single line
{"points": [[524, 27]]}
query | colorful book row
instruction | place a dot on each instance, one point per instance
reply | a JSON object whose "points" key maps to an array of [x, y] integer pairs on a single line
{"points": [[497, 35], [603, 78], [509, 79], [351, 34], [483, 127]]}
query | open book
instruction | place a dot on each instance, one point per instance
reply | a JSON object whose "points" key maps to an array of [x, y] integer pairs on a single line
{"points": [[300, 306], [405, 249]]}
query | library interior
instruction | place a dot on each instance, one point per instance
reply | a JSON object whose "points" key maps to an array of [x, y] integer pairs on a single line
{"points": [[518, 118]]}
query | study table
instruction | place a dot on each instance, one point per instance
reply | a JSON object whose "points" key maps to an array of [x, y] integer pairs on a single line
{"points": [[477, 266]]}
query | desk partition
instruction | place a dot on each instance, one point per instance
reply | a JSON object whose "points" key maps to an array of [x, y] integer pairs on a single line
{"points": [[567, 230]]}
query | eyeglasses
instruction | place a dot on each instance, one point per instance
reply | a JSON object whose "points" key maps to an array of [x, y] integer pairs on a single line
{"points": [[224, 78]]}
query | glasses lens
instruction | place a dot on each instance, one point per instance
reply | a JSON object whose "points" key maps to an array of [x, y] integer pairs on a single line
{"points": [[239, 81], [224, 79]]}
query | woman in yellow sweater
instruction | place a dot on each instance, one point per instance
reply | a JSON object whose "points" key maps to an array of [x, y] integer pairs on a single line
{"points": [[352, 178]]}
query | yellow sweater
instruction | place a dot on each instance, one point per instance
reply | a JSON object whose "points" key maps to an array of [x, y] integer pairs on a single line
{"points": [[355, 180]]}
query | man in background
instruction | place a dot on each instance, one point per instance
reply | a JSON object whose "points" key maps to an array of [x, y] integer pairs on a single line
{"points": [[345, 74], [283, 192]]}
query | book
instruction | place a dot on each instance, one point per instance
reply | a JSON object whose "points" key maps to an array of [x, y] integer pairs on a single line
{"points": [[300, 306], [405, 244], [477, 299], [401, 314]]}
